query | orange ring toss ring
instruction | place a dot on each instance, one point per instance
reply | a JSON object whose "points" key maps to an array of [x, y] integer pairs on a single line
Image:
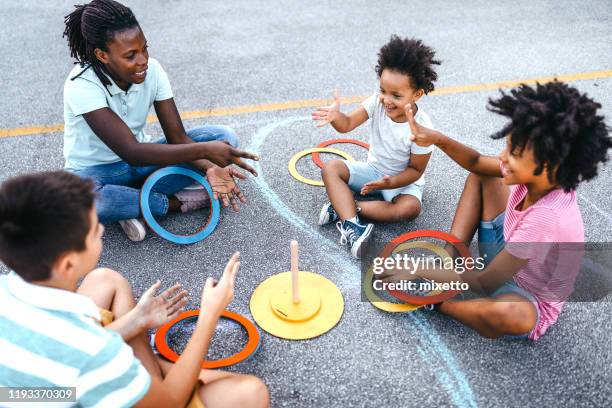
{"points": [[316, 157], [443, 236], [161, 339]]}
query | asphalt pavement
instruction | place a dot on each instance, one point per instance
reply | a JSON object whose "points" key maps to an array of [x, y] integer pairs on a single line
{"points": [[250, 53]]}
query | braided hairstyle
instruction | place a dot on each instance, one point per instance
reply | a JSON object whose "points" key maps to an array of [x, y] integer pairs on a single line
{"points": [[93, 25], [562, 127]]}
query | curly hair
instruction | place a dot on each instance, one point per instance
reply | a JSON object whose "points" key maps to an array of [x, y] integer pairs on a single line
{"points": [[93, 25], [410, 57], [42, 216], [562, 127]]}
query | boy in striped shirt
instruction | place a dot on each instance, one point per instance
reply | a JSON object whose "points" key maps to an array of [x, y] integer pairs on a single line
{"points": [[523, 204], [51, 332]]}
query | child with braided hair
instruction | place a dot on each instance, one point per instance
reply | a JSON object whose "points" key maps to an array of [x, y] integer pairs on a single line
{"points": [[107, 97]]}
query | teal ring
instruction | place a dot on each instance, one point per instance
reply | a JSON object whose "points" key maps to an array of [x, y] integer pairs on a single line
{"points": [[145, 193]]}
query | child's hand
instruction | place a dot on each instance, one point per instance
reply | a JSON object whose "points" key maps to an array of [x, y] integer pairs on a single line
{"points": [[224, 185], [154, 310], [382, 184], [215, 298], [421, 135], [327, 114], [223, 155], [396, 275]]}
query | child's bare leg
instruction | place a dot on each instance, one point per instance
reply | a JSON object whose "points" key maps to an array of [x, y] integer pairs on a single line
{"points": [[226, 389], [111, 291], [336, 177], [404, 207], [483, 198], [507, 314]]}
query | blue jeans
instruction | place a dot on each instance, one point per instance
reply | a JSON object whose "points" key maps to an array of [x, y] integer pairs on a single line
{"points": [[117, 185]]}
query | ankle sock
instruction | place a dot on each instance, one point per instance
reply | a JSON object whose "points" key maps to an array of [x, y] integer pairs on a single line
{"points": [[354, 220]]}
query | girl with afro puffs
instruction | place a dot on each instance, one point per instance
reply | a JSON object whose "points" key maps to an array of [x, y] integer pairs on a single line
{"points": [[395, 167], [523, 205]]}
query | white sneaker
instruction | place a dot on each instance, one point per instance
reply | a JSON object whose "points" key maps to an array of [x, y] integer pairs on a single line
{"points": [[134, 229]]}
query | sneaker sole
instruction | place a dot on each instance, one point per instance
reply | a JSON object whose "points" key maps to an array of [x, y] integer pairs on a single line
{"points": [[361, 240], [133, 229], [323, 216]]}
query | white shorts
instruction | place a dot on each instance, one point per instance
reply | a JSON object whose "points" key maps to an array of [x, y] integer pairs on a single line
{"points": [[363, 172]]}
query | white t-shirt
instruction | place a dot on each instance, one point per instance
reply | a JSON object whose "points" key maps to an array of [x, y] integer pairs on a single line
{"points": [[82, 148], [390, 144]]}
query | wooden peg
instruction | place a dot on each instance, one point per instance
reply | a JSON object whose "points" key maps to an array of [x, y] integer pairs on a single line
{"points": [[294, 272]]}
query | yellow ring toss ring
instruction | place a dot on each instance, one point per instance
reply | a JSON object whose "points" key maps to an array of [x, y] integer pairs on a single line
{"points": [[293, 162]]}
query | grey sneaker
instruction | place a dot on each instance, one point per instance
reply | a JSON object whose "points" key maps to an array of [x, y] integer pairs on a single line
{"points": [[134, 229], [328, 214], [354, 234], [192, 199]]}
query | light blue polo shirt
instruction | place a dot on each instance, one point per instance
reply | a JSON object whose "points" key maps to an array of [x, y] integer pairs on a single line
{"points": [[82, 148], [52, 338]]}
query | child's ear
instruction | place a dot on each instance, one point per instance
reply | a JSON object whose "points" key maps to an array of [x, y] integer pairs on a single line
{"points": [[418, 94], [66, 266], [102, 56]]}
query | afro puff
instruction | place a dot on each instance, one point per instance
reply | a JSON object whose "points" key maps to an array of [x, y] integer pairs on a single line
{"points": [[410, 57], [560, 125]]}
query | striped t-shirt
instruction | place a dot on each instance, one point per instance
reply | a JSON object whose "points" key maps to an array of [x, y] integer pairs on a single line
{"points": [[550, 235], [52, 338]]}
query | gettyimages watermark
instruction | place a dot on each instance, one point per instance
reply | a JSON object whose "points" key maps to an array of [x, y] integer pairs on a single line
{"points": [[429, 266]]}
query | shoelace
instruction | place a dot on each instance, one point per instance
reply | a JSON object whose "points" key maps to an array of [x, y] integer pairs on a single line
{"points": [[344, 233]]}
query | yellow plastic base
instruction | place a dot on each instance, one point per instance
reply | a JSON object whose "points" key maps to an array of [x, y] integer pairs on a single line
{"points": [[319, 310]]}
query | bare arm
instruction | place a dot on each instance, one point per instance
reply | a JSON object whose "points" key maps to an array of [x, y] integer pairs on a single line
{"points": [[418, 163], [151, 311], [465, 156], [119, 138], [469, 158], [173, 128], [343, 123], [502, 268], [176, 388]]}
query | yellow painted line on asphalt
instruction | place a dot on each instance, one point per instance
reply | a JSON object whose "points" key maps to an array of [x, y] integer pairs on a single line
{"points": [[309, 103]]}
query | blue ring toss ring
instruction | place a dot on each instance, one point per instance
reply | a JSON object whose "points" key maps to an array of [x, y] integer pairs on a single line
{"points": [[145, 193]]}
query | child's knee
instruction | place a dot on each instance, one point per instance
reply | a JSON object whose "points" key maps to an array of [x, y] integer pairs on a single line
{"points": [[108, 277], [407, 211], [473, 178], [508, 317], [220, 133], [480, 179], [253, 391], [257, 391], [334, 168]]}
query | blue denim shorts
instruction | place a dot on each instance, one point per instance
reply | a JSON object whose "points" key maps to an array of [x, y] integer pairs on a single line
{"points": [[491, 238], [511, 287], [363, 172], [490, 243]]}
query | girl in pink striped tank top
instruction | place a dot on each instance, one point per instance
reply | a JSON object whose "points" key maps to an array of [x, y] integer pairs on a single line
{"points": [[523, 205]]}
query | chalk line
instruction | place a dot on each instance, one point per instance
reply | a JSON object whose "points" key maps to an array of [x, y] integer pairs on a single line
{"points": [[435, 352]]}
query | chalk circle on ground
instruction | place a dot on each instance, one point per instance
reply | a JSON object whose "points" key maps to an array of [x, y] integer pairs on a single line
{"points": [[398, 241], [296, 157], [251, 347], [316, 156], [319, 310], [213, 217]]}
